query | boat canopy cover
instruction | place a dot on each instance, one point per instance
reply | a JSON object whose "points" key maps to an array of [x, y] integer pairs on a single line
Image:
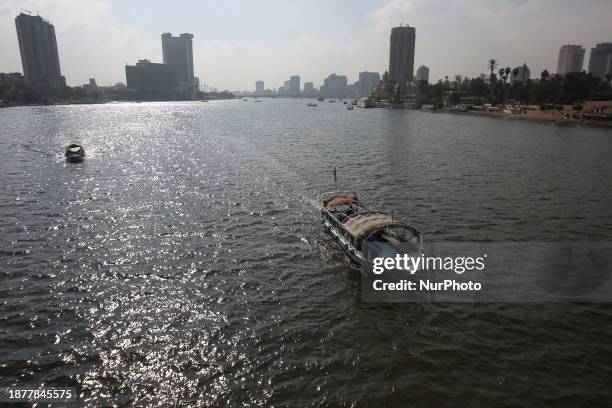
{"points": [[340, 200], [74, 147], [360, 224]]}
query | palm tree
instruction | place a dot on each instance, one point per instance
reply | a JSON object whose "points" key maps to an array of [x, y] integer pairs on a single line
{"points": [[492, 65], [544, 75]]}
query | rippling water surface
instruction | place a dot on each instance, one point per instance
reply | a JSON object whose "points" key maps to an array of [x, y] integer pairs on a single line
{"points": [[184, 259]]}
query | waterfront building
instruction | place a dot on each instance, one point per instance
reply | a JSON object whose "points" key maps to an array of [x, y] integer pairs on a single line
{"points": [[150, 76], [523, 74], [352, 90], [259, 87], [600, 62], [309, 89], [285, 89], [38, 48], [294, 85], [422, 74], [571, 59], [91, 87], [334, 86], [367, 82], [178, 53], [401, 55]]}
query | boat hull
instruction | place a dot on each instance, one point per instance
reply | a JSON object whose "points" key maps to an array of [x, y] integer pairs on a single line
{"points": [[353, 253], [74, 158]]}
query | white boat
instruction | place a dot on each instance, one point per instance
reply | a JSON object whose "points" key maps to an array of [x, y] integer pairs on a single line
{"points": [[349, 107], [366, 234]]}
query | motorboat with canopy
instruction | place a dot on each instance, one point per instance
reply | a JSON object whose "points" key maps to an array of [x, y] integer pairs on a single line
{"points": [[366, 234], [74, 153]]}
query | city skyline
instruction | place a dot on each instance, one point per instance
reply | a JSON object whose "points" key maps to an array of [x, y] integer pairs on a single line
{"points": [[359, 42]]}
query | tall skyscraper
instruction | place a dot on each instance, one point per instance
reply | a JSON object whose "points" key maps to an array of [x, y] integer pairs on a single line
{"points": [[259, 87], [571, 58], [286, 88], [38, 49], [178, 53], [422, 74], [309, 89], [523, 74], [600, 62], [334, 86], [367, 82], [294, 85], [401, 54]]}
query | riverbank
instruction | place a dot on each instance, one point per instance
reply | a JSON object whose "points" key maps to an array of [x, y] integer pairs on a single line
{"points": [[542, 118]]}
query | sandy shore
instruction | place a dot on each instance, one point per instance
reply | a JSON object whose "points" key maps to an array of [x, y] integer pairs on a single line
{"points": [[536, 118]]}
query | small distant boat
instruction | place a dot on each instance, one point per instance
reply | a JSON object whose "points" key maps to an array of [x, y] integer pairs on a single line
{"points": [[245, 99], [345, 102], [349, 107], [320, 99], [204, 100], [331, 101], [257, 100], [312, 104], [74, 153], [366, 234]]}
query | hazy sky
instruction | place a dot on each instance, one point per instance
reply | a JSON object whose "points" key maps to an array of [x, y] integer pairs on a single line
{"points": [[238, 42]]}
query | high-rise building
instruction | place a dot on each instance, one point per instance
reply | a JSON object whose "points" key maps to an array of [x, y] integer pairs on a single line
{"points": [[600, 62], [150, 76], [259, 87], [367, 82], [422, 74], [286, 88], [38, 48], [309, 89], [178, 53], [294, 85], [523, 74], [334, 86], [571, 59], [401, 54]]}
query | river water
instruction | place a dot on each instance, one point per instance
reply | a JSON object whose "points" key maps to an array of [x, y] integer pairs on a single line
{"points": [[183, 263]]}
